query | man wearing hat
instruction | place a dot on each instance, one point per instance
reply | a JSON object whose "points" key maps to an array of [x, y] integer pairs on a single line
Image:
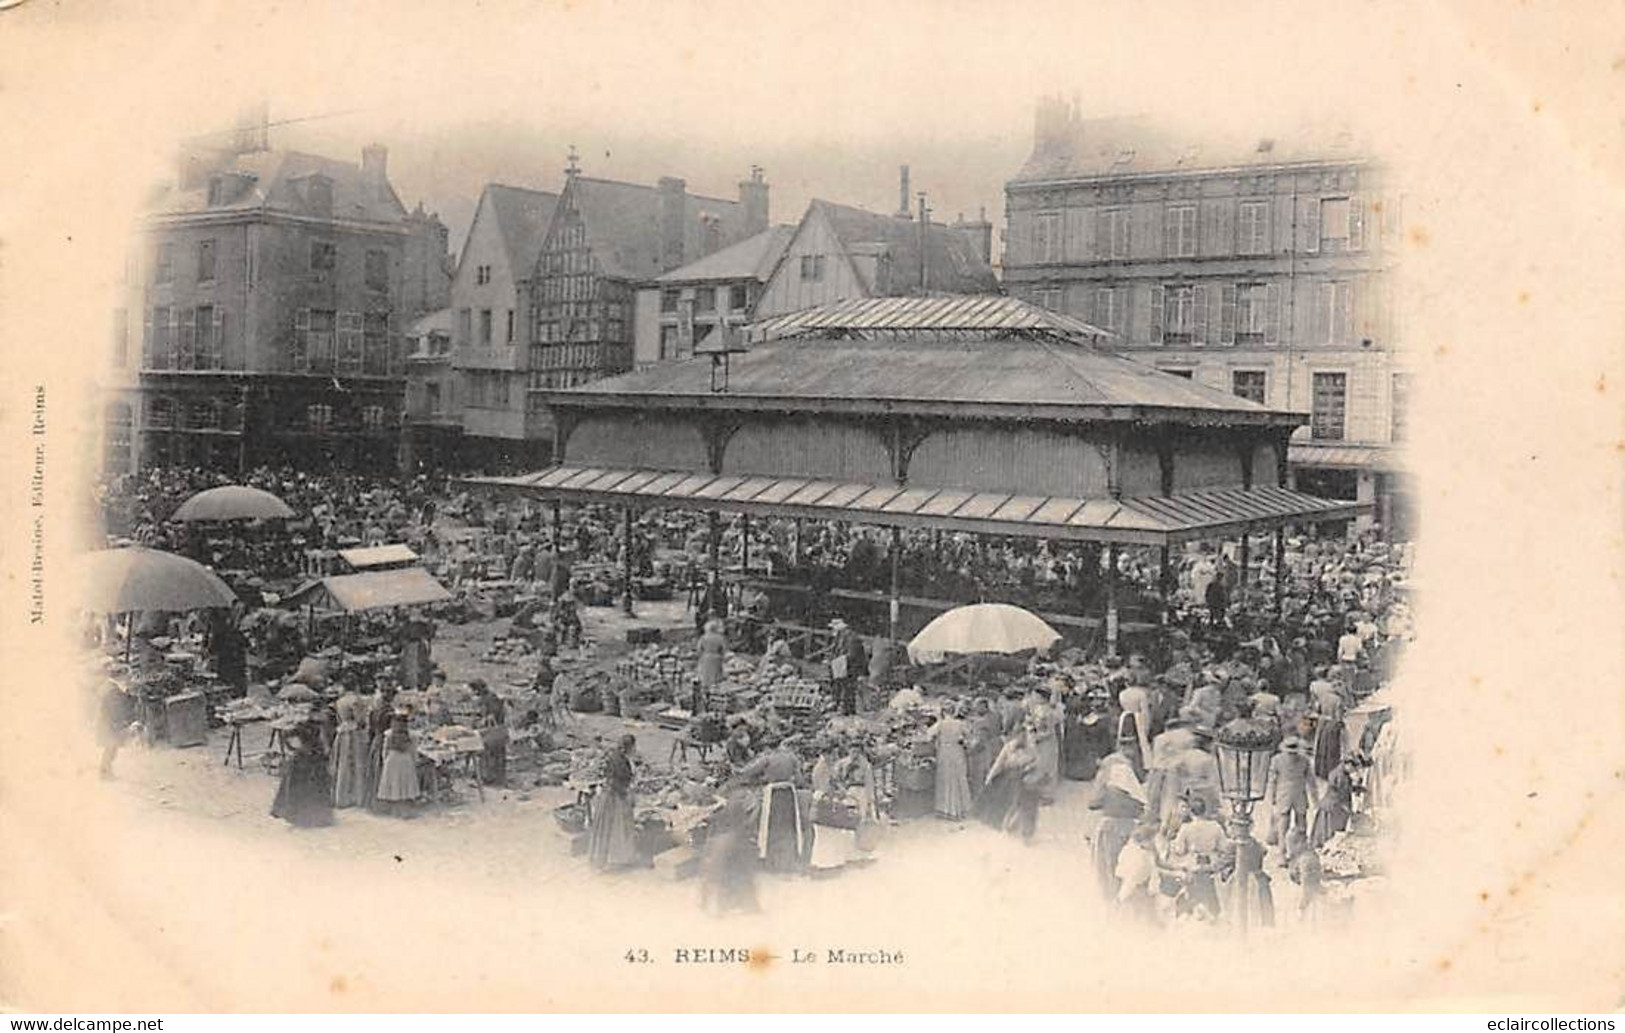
{"points": [[1288, 792]]}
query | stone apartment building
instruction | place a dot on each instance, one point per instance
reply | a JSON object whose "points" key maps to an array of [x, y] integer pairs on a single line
{"points": [[1260, 266], [268, 306]]}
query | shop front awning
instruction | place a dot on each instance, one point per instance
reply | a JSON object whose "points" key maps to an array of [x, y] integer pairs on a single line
{"points": [[371, 590], [1143, 519], [1346, 457]]}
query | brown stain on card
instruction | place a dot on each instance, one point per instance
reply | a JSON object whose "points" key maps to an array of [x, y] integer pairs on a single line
{"points": [[761, 959]]}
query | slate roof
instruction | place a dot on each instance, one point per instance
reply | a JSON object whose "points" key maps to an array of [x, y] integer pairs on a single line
{"points": [[952, 263], [1127, 146], [523, 216], [623, 225], [272, 181], [988, 313], [751, 258], [1017, 372]]}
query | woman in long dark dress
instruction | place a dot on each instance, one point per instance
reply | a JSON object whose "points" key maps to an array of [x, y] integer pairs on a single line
{"points": [[1088, 736], [730, 858], [611, 838], [304, 797], [494, 733], [379, 720], [1007, 792]]}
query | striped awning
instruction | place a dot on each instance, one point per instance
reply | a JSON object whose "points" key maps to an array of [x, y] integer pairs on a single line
{"points": [[1141, 519]]}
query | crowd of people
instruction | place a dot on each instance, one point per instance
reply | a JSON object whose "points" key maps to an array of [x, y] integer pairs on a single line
{"points": [[1300, 653]]}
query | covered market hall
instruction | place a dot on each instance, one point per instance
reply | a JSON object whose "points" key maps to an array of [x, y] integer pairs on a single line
{"points": [[955, 415]]}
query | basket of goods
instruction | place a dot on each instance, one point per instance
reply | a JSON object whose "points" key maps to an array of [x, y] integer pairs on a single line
{"points": [[585, 698], [709, 727], [571, 817]]}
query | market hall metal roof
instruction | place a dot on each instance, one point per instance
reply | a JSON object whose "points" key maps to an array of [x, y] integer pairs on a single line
{"points": [[1141, 519], [989, 313], [1020, 377]]}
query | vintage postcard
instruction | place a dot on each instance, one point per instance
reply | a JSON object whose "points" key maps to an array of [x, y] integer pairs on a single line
{"points": [[907, 506]]}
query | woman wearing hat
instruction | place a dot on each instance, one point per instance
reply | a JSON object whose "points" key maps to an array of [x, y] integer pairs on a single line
{"points": [[611, 834], [1288, 793], [986, 740], [350, 754], [1010, 802], [713, 650], [304, 797], [398, 785], [1336, 805], [953, 785], [1120, 797]]}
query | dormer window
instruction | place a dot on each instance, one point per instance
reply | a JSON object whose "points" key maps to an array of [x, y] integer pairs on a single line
{"points": [[319, 194], [217, 191]]}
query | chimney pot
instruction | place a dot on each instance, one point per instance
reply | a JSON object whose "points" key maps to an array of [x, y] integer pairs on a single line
{"points": [[375, 162]]}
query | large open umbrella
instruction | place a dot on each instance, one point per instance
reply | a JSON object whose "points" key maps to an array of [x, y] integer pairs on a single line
{"points": [[232, 502], [137, 578], [982, 628]]}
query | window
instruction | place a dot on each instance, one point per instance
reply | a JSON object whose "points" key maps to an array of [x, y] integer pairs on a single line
{"points": [[738, 297], [349, 343], [1336, 311], [205, 261], [485, 327], [482, 274], [121, 338], [465, 326], [1252, 227], [217, 191], [185, 339], [324, 256], [375, 345], [207, 337], [165, 271], [668, 300], [511, 326], [1328, 406], [377, 270], [160, 412], [120, 428], [668, 342], [318, 417], [705, 299], [1046, 245], [1252, 313], [1250, 384], [1112, 233], [1108, 314], [1184, 374], [1398, 403], [1342, 224], [320, 340], [372, 417], [1047, 297], [1182, 309], [159, 355], [812, 267], [1180, 231]]}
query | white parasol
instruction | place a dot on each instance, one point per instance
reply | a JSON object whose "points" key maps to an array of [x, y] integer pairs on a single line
{"points": [[982, 628]]}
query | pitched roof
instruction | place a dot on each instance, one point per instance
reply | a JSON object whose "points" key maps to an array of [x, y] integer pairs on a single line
{"points": [[952, 263], [983, 313], [523, 216], [623, 224], [1131, 145], [272, 181], [753, 257], [1016, 371]]}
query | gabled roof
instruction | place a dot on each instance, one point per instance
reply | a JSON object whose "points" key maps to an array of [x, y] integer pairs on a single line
{"points": [[274, 181], [952, 263], [751, 258], [523, 216], [982, 374], [1131, 145], [623, 224]]}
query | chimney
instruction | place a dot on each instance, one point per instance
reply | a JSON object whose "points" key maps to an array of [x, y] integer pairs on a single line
{"points": [[902, 193], [753, 198], [375, 162], [673, 221]]}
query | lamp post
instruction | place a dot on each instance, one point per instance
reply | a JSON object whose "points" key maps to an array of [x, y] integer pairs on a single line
{"points": [[1244, 748]]}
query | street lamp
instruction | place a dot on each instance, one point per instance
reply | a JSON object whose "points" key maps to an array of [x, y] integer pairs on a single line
{"points": [[1244, 748]]}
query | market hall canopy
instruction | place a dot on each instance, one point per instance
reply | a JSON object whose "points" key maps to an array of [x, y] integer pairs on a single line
{"points": [[378, 556], [1142, 519], [371, 590], [973, 414]]}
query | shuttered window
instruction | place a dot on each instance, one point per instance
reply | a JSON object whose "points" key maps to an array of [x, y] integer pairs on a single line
{"points": [[1184, 320], [1336, 312], [1107, 314], [1252, 227], [1398, 402], [1328, 406], [1252, 313], [1179, 231], [1112, 233]]}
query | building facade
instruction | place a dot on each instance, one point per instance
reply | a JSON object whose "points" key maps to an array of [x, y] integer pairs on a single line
{"points": [[1261, 268], [684, 308], [605, 240], [276, 289], [842, 253]]}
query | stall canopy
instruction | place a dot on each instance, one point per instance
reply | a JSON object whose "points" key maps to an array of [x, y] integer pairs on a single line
{"points": [[371, 590], [378, 557], [1144, 519]]}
